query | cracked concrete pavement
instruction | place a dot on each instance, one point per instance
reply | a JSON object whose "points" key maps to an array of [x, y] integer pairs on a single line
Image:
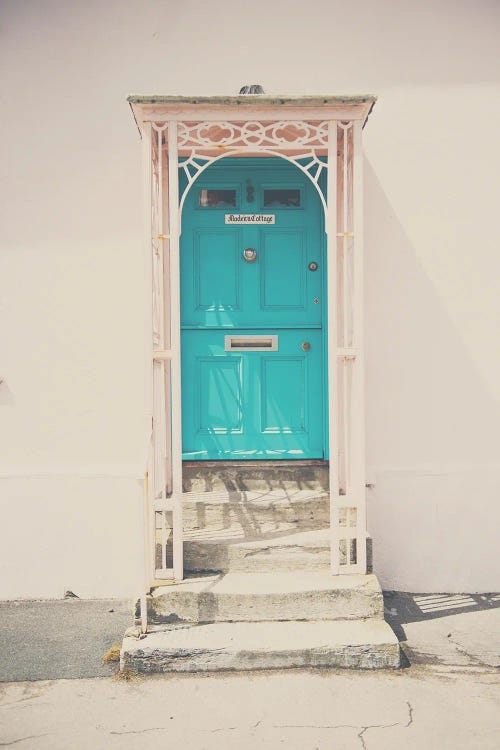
{"points": [[299, 710], [447, 698]]}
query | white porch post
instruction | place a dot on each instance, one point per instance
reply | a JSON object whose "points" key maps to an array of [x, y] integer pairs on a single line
{"points": [[147, 520], [332, 307], [345, 355], [357, 447], [159, 365], [175, 344]]}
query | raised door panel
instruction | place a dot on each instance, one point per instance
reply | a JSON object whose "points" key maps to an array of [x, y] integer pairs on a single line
{"points": [[218, 394], [211, 277], [290, 397], [213, 397], [216, 270], [283, 270], [284, 394]]}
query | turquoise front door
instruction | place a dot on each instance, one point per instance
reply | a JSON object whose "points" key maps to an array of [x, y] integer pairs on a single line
{"points": [[252, 338]]}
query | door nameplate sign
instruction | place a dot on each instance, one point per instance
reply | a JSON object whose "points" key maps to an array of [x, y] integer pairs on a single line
{"points": [[249, 218]]}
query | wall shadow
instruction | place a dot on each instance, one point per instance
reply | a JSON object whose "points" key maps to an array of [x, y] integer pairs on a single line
{"points": [[427, 401]]}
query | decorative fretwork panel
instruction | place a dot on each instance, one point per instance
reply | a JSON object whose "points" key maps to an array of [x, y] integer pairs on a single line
{"points": [[299, 142], [347, 535], [163, 542], [281, 134]]}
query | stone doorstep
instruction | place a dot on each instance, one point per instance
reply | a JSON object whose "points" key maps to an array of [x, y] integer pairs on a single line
{"points": [[256, 512], [252, 484], [267, 498], [229, 551], [312, 538], [207, 476], [363, 644], [273, 596]]}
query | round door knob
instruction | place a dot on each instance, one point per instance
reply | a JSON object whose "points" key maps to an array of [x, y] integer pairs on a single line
{"points": [[313, 266], [306, 346], [250, 255]]}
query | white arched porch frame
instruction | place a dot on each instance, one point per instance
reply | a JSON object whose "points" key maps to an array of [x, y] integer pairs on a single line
{"points": [[314, 146], [241, 151]]}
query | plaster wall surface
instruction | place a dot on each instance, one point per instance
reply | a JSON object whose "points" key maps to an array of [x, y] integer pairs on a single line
{"points": [[73, 425], [74, 532]]}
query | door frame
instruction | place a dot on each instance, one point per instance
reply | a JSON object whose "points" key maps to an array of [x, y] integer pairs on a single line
{"points": [[191, 134]]}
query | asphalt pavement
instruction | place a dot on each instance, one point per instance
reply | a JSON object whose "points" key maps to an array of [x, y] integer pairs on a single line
{"points": [[60, 639]]}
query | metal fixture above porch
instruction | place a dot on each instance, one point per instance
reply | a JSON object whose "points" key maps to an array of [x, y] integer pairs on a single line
{"points": [[254, 88]]}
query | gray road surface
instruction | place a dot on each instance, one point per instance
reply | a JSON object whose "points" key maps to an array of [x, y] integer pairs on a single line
{"points": [[59, 639]]}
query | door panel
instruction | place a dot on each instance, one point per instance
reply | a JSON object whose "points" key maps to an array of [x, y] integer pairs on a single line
{"points": [[252, 404], [216, 249], [218, 394], [283, 270], [283, 394]]}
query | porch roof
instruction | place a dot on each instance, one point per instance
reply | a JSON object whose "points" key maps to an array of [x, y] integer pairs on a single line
{"points": [[255, 106]]}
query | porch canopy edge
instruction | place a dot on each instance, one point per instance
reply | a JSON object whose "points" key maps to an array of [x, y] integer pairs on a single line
{"points": [[144, 107]]}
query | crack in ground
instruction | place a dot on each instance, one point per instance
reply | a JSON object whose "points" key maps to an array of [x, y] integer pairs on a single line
{"points": [[15, 704], [230, 729], [473, 659], [362, 731], [22, 739], [27, 695], [386, 726], [138, 731], [222, 729], [314, 726], [373, 726]]}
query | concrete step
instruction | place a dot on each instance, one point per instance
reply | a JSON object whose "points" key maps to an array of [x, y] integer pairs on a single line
{"points": [[236, 597], [226, 552], [365, 644], [218, 551], [256, 512], [244, 476]]}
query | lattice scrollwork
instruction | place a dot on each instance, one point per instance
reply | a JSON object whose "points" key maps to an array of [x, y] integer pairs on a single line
{"points": [[303, 143], [293, 134], [296, 141], [309, 163]]}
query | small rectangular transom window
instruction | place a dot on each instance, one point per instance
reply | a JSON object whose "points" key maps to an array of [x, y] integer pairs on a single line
{"points": [[212, 198], [281, 198]]}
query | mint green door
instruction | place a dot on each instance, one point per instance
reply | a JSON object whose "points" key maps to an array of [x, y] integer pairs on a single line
{"points": [[252, 269]]}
